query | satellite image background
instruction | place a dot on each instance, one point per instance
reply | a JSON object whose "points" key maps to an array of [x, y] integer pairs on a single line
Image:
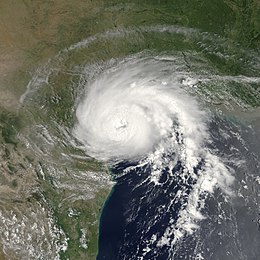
{"points": [[67, 192]]}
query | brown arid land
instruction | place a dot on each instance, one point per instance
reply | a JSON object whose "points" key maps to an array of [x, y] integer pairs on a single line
{"points": [[32, 32]]}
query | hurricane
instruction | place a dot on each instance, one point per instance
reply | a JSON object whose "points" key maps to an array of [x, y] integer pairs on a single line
{"points": [[135, 110]]}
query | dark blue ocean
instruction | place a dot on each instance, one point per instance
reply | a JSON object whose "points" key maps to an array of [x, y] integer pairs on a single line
{"points": [[137, 210], [134, 212]]}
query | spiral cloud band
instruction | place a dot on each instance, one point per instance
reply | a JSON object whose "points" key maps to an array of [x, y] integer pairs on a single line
{"points": [[145, 109]]}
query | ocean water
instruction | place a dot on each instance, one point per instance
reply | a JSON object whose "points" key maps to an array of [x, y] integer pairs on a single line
{"points": [[139, 212]]}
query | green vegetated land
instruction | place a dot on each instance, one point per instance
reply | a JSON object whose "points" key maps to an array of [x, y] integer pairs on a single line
{"points": [[79, 220], [35, 31]]}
